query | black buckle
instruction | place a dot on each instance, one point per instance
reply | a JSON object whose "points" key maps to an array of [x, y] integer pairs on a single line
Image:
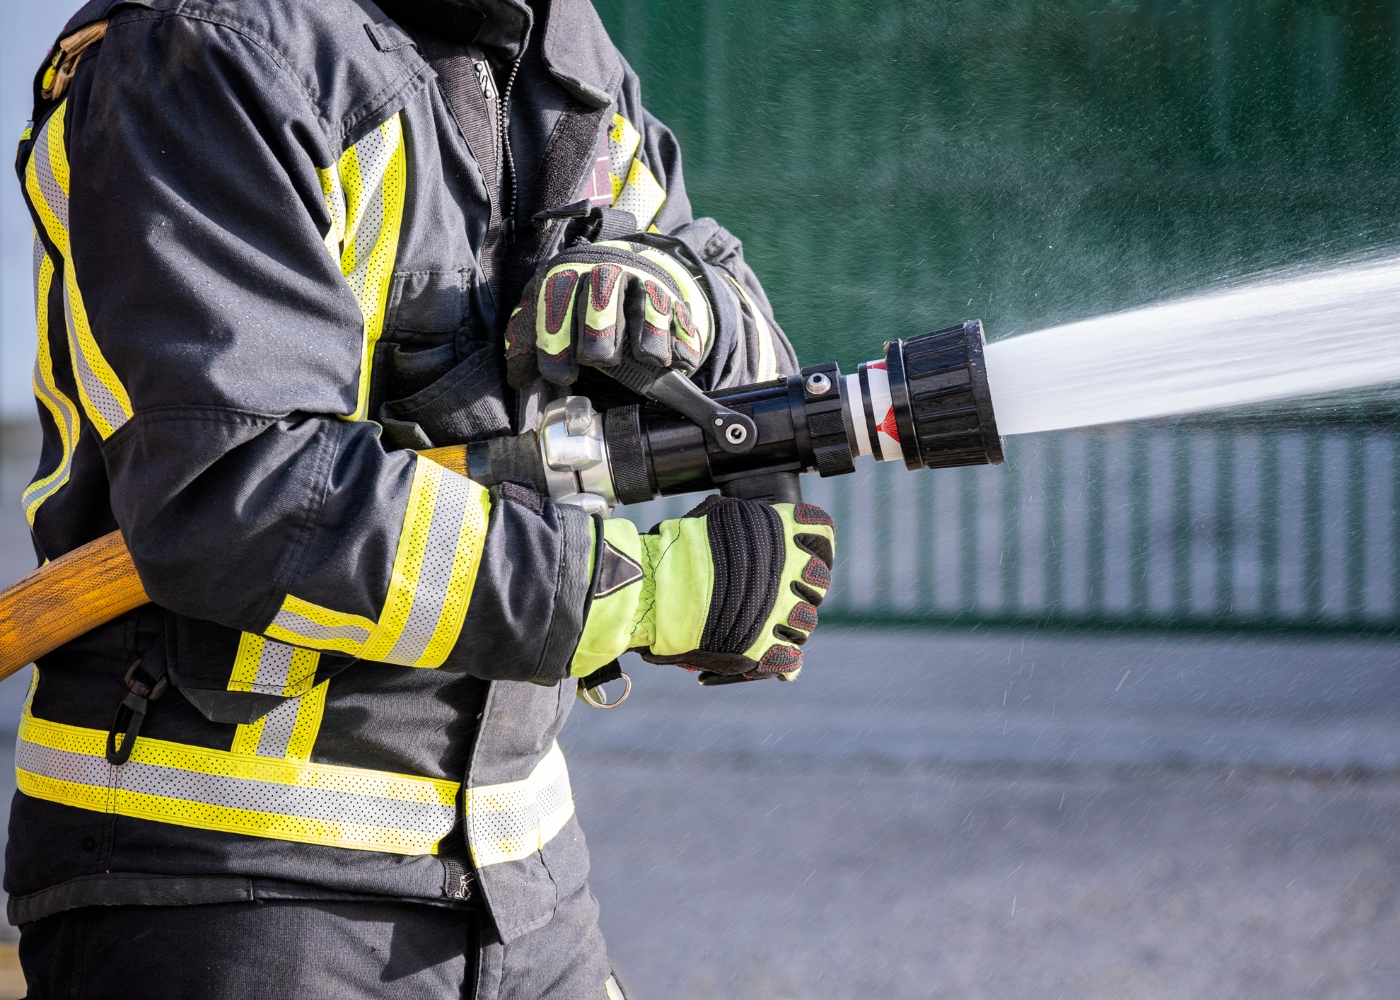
{"points": [[141, 690]]}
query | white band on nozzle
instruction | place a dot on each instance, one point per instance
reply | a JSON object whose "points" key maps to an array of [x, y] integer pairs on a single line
{"points": [[873, 409], [882, 406], [855, 403]]}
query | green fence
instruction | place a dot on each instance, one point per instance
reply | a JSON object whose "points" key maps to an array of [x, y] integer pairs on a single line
{"points": [[894, 167]]}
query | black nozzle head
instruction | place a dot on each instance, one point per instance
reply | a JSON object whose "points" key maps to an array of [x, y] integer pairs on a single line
{"points": [[942, 403]]}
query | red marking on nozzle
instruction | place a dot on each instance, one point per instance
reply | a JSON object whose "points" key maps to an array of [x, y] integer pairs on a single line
{"points": [[888, 425]]}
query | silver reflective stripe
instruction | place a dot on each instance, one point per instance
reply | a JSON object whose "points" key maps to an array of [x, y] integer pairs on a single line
{"points": [[277, 728], [372, 154], [274, 665], [98, 395], [435, 576], [235, 793], [307, 629], [54, 194], [514, 819]]}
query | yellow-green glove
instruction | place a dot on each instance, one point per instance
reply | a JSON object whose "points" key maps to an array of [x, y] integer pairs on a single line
{"points": [[731, 590], [591, 303]]}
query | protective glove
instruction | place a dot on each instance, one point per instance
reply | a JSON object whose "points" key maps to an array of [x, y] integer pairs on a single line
{"points": [[591, 303], [731, 590]]}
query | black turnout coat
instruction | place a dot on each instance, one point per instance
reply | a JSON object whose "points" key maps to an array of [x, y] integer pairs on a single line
{"points": [[270, 259]]}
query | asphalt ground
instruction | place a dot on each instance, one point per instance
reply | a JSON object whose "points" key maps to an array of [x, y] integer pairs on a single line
{"points": [[986, 815]]}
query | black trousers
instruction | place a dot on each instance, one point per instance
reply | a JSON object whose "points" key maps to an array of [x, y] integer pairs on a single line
{"points": [[313, 949], [253, 951]]}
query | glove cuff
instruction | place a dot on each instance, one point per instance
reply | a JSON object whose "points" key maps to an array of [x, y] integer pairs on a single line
{"points": [[619, 570]]}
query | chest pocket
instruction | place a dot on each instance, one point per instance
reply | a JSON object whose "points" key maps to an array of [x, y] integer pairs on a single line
{"points": [[439, 378]]}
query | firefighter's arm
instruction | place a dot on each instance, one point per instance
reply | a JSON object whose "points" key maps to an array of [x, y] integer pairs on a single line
{"points": [[230, 258]]}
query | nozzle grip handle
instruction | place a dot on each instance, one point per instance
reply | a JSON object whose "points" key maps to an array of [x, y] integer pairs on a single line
{"points": [[732, 431]]}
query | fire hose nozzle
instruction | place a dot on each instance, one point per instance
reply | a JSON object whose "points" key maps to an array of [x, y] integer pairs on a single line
{"points": [[941, 400], [926, 403]]}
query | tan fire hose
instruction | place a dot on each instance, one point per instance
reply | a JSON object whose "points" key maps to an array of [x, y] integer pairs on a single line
{"points": [[89, 587]]}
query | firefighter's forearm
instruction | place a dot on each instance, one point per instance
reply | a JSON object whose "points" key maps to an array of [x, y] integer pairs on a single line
{"points": [[89, 587]]}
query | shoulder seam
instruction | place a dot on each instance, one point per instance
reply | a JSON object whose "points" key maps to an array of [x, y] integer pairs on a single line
{"points": [[338, 131]]}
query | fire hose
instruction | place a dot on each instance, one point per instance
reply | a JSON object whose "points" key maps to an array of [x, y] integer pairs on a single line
{"points": [[925, 403]]}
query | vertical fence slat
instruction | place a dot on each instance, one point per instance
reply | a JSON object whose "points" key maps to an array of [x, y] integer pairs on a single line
{"points": [[1312, 523], [1181, 548], [1053, 466], [1137, 524], [1268, 524], [1224, 524], [1354, 566]]}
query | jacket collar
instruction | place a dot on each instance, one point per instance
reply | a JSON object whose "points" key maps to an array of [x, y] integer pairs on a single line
{"points": [[578, 51]]}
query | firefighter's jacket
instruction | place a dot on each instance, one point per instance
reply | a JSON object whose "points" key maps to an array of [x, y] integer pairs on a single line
{"points": [[268, 258]]}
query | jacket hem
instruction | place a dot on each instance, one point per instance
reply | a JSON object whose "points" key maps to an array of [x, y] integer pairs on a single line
{"points": [[136, 889]]}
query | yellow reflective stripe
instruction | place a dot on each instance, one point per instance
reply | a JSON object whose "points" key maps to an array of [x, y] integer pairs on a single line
{"points": [[767, 349], [263, 666], [642, 195], [365, 198], [47, 183], [334, 194], [48, 196], [289, 731], [60, 407], [190, 786], [513, 820], [623, 142], [308, 624], [434, 573], [635, 188]]}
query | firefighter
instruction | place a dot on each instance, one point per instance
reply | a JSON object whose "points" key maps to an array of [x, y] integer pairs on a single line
{"points": [[280, 246]]}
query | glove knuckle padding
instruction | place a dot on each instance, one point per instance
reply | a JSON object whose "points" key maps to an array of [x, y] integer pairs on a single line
{"points": [[592, 302]]}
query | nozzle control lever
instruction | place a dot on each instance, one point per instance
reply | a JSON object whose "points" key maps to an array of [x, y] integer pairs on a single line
{"points": [[732, 431]]}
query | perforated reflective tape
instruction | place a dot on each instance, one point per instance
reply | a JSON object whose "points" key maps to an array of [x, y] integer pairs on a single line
{"points": [[288, 731], [512, 820], [263, 666], [642, 195], [364, 195], [47, 185], [46, 390], [623, 142], [293, 800], [635, 188], [767, 348], [434, 573]]}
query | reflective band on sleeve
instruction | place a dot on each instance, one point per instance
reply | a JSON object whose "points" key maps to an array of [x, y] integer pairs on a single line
{"points": [[46, 390], [364, 195], [263, 666], [623, 142], [767, 349], [642, 195], [294, 800], [46, 183], [513, 820], [434, 573], [635, 188]]}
